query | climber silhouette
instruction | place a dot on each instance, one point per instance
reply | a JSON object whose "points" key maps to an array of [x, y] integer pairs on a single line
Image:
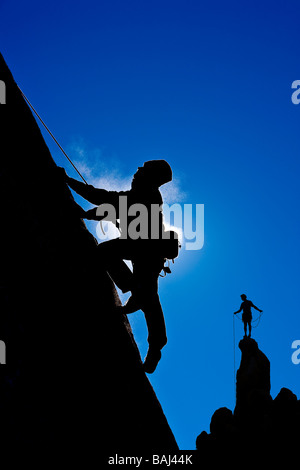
{"points": [[146, 254], [247, 314]]}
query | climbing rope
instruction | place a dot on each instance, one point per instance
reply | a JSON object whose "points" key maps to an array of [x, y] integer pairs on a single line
{"points": [[252, 321], [50, 133], [257, 320], [57, 143], [234, 383]]}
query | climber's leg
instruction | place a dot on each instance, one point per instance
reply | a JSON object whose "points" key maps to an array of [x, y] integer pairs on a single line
{"points": [[146, 269], [157, 337], [112, 254], [143, 283], [132, 305], [146, 294], [249, 326]]}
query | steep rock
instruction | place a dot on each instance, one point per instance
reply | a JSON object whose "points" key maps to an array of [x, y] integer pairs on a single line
{"points": [[261, 430], [252, 379], [73, 384]]}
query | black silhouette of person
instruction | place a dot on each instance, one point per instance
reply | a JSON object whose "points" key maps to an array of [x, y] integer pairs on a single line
{"points": [[247, 314], [146, 254]]}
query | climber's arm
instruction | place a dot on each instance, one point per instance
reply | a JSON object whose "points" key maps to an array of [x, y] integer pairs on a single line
{"points": [[256, 308], [92, 214], [87, 191], [238, 311], [94, 195], [82, 214]]}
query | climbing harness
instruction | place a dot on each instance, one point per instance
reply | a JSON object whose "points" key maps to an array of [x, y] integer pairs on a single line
{"points": [[170, 248], [166, 269]]}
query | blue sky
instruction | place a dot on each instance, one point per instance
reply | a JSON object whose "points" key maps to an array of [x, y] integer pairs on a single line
{"points": [[207, 86]]}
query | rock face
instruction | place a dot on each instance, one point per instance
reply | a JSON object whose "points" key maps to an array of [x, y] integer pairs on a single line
{"points": [[73, 384], [252, 378], [260, 429]]}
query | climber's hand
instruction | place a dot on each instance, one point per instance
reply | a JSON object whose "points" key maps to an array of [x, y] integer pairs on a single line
{"points": [[78, 211]]}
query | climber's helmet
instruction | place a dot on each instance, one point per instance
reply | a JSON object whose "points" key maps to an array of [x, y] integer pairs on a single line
{"points": [[155, 172]]}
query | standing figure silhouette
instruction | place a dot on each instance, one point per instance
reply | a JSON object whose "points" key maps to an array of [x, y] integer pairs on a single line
{"points": [[247, 314]]}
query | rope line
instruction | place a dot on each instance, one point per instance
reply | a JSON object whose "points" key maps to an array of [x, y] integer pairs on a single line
{"points": [[48, 130], [252, 321], [234, 383]]}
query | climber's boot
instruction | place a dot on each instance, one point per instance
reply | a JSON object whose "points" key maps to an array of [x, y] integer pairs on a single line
{"points": [[152, 359]]}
